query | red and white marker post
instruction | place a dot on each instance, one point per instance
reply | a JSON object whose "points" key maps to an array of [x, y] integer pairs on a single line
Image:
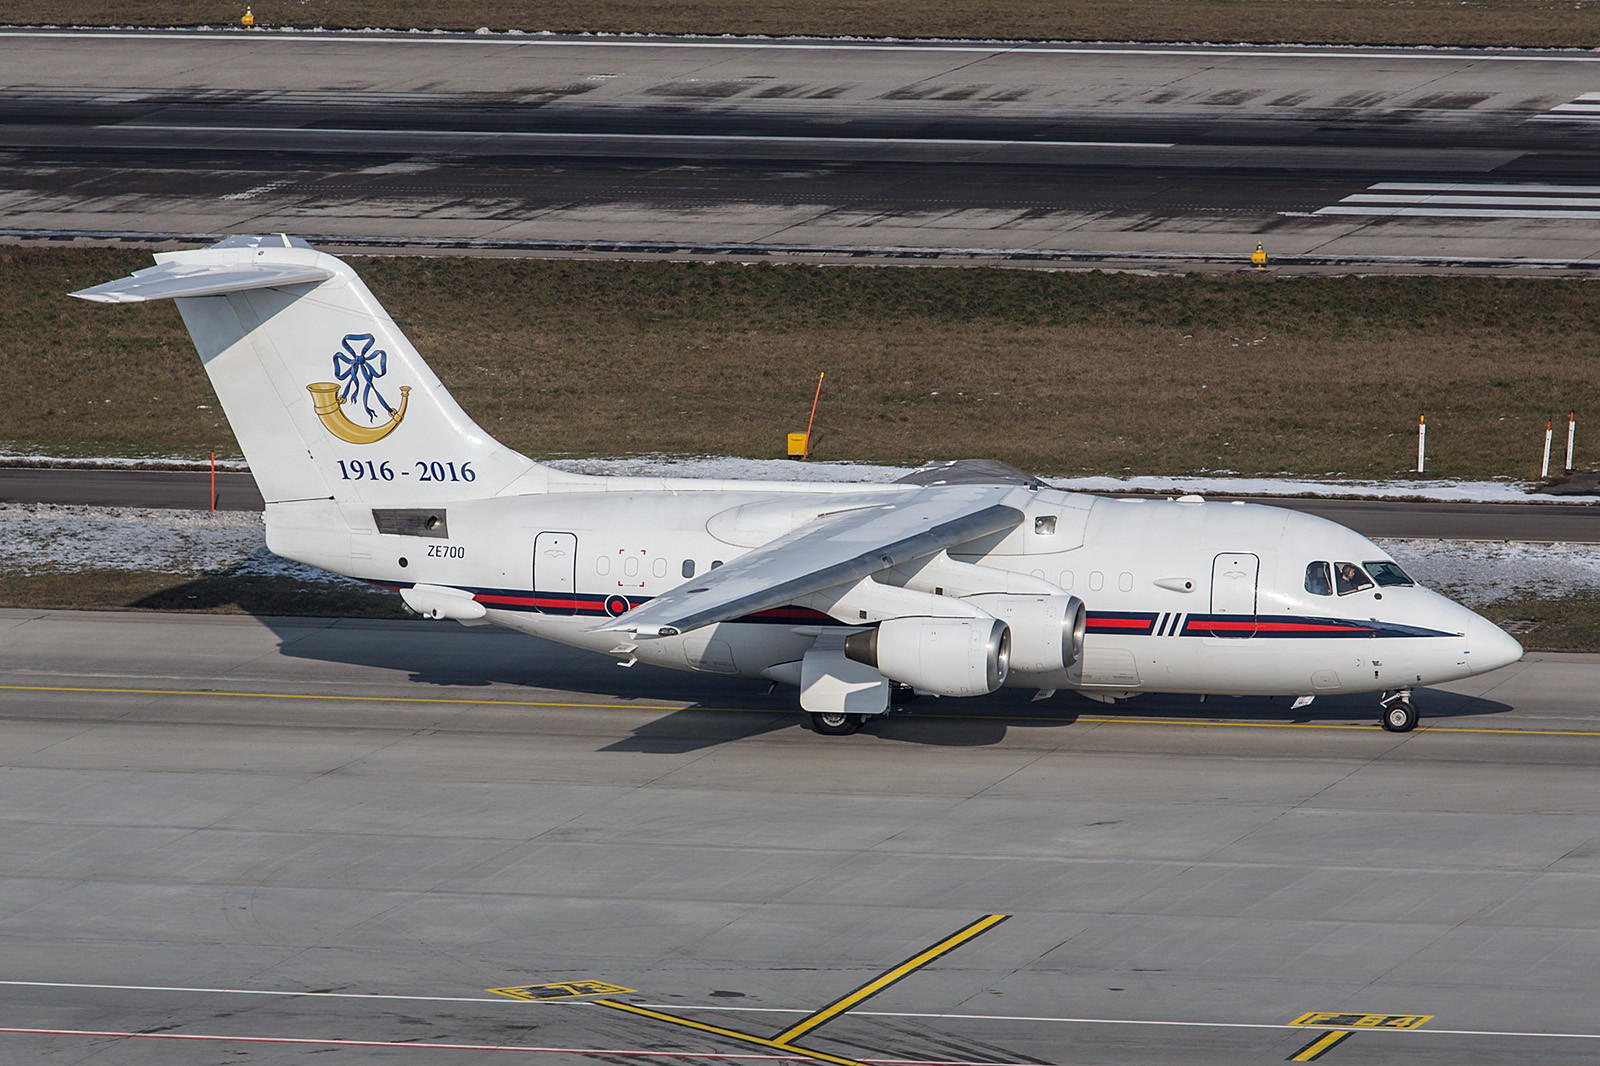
{"points": [[1549, 428], [1422, 441], [1572, 425]]}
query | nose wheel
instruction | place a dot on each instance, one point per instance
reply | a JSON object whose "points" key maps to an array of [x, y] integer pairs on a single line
{"points": [[1399, 713], [836, 723]]}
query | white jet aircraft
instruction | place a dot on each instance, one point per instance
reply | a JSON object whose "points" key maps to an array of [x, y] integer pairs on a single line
{"points": [[957, 580]]}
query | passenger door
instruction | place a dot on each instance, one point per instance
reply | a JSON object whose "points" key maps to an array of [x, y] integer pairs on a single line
{"points": [[555, 572], [1233, 594]]}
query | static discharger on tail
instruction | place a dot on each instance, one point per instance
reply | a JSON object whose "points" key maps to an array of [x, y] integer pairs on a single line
{"points": [[957, 580]]}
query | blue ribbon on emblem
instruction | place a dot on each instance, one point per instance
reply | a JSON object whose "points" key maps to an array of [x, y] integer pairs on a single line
{"points": [[359, 374]]}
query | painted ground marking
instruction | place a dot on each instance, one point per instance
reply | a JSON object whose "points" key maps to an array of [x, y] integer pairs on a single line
{"points": [[784, 1040], [1062, 719], [1320, 1045], [1343, 1026], [561, 990]]}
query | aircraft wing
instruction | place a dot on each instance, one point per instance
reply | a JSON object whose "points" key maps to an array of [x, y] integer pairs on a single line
{"points": [[833, 550]]}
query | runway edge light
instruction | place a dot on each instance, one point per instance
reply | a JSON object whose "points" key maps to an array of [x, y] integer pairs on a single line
{"points": [[249, 18], [1259, 256]]}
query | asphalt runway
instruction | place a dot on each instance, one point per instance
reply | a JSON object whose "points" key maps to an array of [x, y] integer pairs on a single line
{"points": [[1574, 523], [273, 839], [875, 151]]}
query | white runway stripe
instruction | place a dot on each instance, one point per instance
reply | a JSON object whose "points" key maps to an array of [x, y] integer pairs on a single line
{"points": [[1407, 199], [1586, 108], [1480, 201], [1465, 186]]}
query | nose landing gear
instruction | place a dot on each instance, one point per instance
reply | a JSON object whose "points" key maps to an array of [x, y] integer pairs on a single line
{"points": [[1399, 713]]}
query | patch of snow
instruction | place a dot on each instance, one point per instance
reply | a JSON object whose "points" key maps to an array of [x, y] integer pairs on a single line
{"points": [[1214, 485], [49, 538], [91, 463], [721, 467], [1444, 491], [1480, 572], [59, 538]]}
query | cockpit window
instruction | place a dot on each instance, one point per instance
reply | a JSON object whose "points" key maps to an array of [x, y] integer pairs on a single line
{"points": [[1348, 578], [1386, 573], [1318, 581]]}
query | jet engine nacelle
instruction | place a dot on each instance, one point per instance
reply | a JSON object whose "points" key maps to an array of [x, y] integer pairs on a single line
{"points": [[1046, 635], [949, 656]]}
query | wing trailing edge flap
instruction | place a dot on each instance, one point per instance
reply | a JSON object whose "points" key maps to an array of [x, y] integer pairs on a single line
{"points": [[834, 551]]}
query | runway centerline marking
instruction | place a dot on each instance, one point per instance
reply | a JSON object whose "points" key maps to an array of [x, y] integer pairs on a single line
{"points": [[1064, 719]]}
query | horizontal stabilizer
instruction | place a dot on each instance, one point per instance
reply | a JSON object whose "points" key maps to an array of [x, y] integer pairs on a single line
{"points": [[171, 280]]}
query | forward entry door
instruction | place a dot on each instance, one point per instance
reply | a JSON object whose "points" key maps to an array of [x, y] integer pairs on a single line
{"points": [[1233, 594], [555, 572]]}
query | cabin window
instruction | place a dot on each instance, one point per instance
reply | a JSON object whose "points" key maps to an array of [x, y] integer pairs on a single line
{"points": [[1319, 582], [630, 566], [1066, 579], [688, 568], [602, 565], [658, 566], [1125, 582], [1386, 573], [715, 563], [1097, 581], [1348, 578]]}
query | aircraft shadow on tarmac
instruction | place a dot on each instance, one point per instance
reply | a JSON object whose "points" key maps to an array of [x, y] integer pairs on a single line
{"points": [[443, 655]]}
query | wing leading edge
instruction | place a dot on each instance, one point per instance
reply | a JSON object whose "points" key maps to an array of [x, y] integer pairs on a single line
{"points": [[831, 551]]}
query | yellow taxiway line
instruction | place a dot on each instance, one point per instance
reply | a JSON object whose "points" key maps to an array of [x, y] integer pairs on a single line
{"points": [[730, 1034], [889, 977], [1065, 720]]}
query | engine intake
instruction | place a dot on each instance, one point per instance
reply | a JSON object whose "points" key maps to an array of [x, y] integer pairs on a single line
{"points": [[949, 656], [1046, 634]]}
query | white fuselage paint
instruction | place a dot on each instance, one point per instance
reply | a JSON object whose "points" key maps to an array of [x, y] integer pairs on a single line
{"points": [[1129, 560]]}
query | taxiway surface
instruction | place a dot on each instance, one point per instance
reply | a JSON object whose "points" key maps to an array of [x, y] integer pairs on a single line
{"points": [[894, 151], [278, 838]]}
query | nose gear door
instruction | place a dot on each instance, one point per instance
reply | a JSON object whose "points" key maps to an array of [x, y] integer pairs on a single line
{"points": [[1233, 594]]}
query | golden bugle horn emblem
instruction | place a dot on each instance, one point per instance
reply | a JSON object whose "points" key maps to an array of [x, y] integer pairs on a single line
{"points": [[358, 366]]}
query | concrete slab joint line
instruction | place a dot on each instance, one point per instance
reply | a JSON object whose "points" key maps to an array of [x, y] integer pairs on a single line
{"points": [[784, 1040]]}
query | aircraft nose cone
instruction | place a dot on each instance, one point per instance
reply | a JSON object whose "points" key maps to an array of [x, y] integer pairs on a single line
{"points": [[1490, 647]]}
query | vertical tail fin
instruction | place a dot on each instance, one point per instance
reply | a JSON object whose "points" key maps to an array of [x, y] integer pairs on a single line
{"points": [[326, 396]]}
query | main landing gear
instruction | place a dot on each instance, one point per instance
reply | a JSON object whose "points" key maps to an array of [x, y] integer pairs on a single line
{"points": [[836, 723], [1399, 713]]}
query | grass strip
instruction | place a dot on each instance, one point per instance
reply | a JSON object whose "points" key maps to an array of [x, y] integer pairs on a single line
{"points": [[1521, 23], [1061, 373]]}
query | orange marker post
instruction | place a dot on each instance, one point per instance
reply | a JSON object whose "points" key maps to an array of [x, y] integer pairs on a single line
{"points": [[812, 420]]}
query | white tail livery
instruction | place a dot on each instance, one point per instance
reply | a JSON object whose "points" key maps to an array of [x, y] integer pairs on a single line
{"points": [[957, 580]]}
